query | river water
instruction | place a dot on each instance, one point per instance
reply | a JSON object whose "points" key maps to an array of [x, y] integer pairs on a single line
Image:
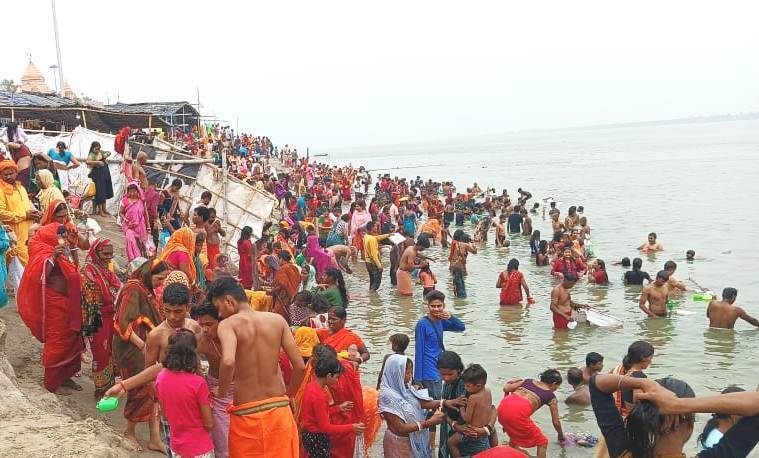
{"points": [[695, 185]]}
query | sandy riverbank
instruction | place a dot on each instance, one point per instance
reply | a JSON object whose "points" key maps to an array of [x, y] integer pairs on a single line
{"points": [[35, 423]]}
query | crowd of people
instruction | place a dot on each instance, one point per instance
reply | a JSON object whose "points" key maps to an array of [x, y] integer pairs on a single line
{"points": [[259, 359]]}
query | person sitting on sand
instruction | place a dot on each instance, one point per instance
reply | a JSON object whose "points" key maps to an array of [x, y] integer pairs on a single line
{"points": [[723, 314], [651, 244]]}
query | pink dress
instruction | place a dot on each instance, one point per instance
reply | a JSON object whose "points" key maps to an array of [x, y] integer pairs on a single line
{"points": [[135, 224]]}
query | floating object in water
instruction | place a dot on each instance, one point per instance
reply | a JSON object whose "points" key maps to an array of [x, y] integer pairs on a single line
{"points": [[107, 404], [670, 305], [601, 319], [572, 324], [684, 312], [706, 296], [581, 439]]}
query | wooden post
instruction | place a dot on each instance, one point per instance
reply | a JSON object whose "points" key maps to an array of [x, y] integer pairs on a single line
{"points": [[150, 122], [13, 115], [84, 119], [224, 185]]}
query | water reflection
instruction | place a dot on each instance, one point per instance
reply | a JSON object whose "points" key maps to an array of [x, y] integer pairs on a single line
{"points": [[658, 332]]}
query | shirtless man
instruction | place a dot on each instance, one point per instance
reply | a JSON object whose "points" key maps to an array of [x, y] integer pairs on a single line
{"points": [[651, 244], [176, 312], [558, 226], [526, 222], [500, 232], [261, 420], [342, 253], [674, 285], [562, 303], [138, 171], [656, 294], [723, 314], [409, 261]]}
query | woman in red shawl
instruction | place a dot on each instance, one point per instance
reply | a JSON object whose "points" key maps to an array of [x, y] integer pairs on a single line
{"points": [[48, 301], [58, 212], [99, 289]]}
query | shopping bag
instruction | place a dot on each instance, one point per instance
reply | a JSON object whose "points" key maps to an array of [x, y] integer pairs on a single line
{"points": [[15, 272]]}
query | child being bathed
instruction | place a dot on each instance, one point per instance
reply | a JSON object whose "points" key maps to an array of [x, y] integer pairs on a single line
{"points": [[477, 412]]}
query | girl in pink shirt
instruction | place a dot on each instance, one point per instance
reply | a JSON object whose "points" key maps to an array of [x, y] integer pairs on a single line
{"points": [[185, 399], [427, 279]]}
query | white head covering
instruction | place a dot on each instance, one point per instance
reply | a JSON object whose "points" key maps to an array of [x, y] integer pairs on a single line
{"points": [[402, 400]]}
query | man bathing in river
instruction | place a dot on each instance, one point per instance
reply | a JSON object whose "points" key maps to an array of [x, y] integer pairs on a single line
{"points": [[674, 285], [656, 295], [562, 304], [261, 422], [723, 314], [651, 244]]}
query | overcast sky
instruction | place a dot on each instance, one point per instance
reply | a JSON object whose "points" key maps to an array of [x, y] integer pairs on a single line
{"points": [[349, 73]]}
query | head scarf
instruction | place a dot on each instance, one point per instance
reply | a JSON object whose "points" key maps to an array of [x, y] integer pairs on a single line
{"points": [[99, 272], [140, 193], [402, 400], [48, 191], [306, 339], [47, 217], [4, 165], [182, 240]]}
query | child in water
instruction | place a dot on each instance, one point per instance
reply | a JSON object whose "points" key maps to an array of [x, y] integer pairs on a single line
{"points": [[398, 343], [476, 412], [427, 279]]}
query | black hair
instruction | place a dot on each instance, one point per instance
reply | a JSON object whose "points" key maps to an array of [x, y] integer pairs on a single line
{"points": [[327, 365], [637, 264], [601, 264], [652, 234], [434, 295], [543, 247], [662, 274], [670, 265], [204, 309], [572, 210], [645, 424], [513, 265], [474, 373], [339, 281], [593, 358], [177, 182], [93, 145], [729, 293], [370, 226], [206, 195], [340, 312], [569, 276], [551, 376], [423, 241], [246, 232], [399, 342], [176, 294], [690, 253], [224, 286], [319, 303], [147, 278], [534, 237], [713, 422], [59, 145], [285, 256], [637, 352], [203, 213], [450, 360], [574, 376], [345, 217], [322, 351], [626, 262], [180, 354]]}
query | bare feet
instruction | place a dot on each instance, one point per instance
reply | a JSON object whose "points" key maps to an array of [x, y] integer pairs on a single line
{"points": [[71, 384], [132, 439], [63, 391], [157, 446]]}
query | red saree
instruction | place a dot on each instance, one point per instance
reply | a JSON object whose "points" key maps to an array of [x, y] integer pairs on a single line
{"points": [[287, 279], [54, 318], [511, 288], [340, 340]]}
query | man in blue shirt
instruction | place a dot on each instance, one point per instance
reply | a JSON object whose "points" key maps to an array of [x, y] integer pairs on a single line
{"points": [[428, 341]]}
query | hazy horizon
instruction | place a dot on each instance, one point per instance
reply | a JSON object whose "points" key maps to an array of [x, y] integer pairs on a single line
{"points": [[348, 74]]}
